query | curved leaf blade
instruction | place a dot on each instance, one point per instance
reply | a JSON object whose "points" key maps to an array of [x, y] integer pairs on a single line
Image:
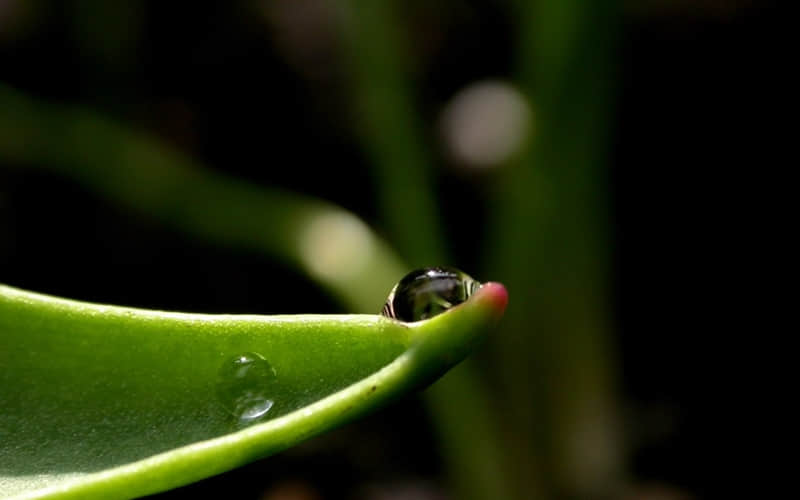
{"points": [[110, 402]]}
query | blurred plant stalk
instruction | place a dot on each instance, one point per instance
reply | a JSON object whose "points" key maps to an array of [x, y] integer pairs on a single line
{"points": [[552, 382], [137, 173], [550, 245], [460, 404]]}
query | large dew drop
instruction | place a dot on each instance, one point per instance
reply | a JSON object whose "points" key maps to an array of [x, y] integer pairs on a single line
{"points": [[425, 293], [244, 384]]}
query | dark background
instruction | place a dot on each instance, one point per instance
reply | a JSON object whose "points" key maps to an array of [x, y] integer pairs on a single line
{"points": [[222, 83]]}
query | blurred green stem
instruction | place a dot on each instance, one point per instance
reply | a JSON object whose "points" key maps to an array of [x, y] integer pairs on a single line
{"points": [[139, 174], [390, 128], [550, 247], [460, 404]]}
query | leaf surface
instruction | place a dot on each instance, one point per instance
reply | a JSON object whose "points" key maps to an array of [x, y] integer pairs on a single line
{"points": [[102, 401]]}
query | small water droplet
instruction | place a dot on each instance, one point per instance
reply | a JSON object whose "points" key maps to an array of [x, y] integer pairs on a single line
{"points": [[425, 293], [244, 384]]}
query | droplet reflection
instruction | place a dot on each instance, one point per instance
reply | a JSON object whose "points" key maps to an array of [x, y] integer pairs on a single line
{"points": [[425, 293]]}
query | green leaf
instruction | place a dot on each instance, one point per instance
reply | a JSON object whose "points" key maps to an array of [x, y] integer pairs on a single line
{"points": [[102, 401]]}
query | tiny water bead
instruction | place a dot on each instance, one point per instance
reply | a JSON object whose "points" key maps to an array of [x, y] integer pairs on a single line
{"points": [[425, 293], [243, 386]]}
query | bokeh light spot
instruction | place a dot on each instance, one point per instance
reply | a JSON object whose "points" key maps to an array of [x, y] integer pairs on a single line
{"points": [[485, 123]]}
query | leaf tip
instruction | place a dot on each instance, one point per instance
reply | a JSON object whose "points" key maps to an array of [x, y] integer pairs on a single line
{"points": [[496, 295]]}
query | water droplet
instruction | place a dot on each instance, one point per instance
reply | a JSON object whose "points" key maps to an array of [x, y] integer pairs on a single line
{"points": [[244, 384], [425, 293]]}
